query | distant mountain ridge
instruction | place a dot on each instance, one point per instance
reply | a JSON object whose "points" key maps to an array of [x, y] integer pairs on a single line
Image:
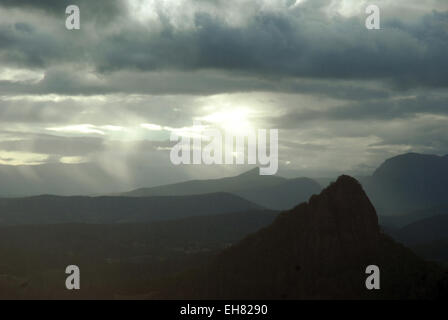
{"points": [[318, 250], [409, 182], [272, 192], [58, 209], [399, 221], [424, 231], [427, 237], [404, 183], [230, 184]]}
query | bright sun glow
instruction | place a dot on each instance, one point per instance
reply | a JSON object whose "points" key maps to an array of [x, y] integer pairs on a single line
{"points": [[234, 121], [346, 8], [142, 10]]}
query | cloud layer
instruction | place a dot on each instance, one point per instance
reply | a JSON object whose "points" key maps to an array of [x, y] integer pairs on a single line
{"points": [[343, 97]]}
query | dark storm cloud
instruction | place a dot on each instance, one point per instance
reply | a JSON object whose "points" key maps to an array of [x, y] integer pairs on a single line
{"points": [[397, 108], [102, 10], [66, 82], [278, 45], [24, 45], [298, 43], [432, 138], [378, 109], [358, 96]]}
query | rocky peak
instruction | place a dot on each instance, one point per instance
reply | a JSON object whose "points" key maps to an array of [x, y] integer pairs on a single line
{"points": [[344, 205]]}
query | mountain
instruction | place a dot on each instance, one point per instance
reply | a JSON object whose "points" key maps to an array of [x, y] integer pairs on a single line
{"points": [[115, 259], [409, 182], [56, 209], [317, 250], [424, 231], [436, 250], [268, 191], [231, 184], [427, 237], [82, 178], [284, 195], [399, 221]]}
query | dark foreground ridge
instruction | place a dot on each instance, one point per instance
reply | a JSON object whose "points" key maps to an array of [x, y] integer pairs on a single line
{"points": [[317, 250]]}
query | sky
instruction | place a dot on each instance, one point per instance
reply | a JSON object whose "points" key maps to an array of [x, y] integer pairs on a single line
{"points": [[91, 111]]}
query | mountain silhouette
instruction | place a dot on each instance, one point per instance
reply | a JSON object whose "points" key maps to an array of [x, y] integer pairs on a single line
{"points": [[408, 182], [427, 237], [399, 221], [243, 181], [115, 258], [272, 192], [57, 209], [317, 250], [423, 231]]}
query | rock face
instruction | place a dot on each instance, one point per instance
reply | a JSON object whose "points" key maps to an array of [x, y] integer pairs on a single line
{"points": [[342, 210], [318, 250]]}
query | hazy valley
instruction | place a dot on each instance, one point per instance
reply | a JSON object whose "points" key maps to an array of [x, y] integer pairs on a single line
{"points": [[210, 235]]}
